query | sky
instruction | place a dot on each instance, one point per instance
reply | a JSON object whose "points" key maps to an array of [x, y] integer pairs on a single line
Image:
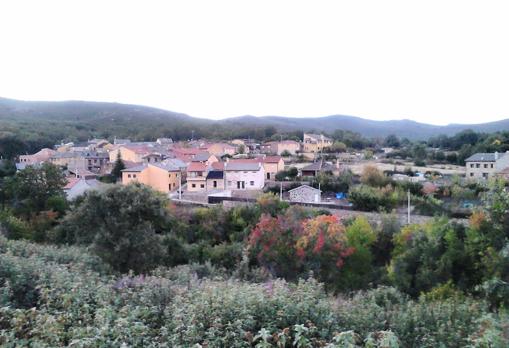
{"points": [[431, 61]]}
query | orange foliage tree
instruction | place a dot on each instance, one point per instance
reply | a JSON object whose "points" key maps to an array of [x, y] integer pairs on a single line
{"points": [[292, 245]]}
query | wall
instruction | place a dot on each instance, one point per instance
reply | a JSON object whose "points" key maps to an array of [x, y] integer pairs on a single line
{"points": [[258, 177]]}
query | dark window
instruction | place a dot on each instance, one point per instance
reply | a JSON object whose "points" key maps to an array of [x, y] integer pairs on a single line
{"points": [[215, 183], [252, 183], [193, 185], [202, 185], [485, 165]]}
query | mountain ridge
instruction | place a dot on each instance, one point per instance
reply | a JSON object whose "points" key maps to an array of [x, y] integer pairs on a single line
{"points": [[72, 111]]}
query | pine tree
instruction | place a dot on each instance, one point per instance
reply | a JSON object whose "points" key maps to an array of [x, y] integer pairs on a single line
{"points": [[118, 167]]}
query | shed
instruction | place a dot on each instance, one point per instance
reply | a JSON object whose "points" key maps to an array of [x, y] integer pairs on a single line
{"points": [[306, 194]]}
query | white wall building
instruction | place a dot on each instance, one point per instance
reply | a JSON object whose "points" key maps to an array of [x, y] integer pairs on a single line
{"points": [[244, 176]]}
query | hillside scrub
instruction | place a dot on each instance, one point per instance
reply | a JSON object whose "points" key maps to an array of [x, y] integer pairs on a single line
{"points": [[51, 297]]}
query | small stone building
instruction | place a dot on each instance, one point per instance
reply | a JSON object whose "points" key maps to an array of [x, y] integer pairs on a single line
{"points": [[306, 194]]}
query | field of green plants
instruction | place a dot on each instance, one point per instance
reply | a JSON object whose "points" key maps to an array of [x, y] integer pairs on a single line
{"points": [[63, 296]]}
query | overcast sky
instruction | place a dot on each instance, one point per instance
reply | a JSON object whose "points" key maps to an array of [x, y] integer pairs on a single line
{"points": [[432, 61]]}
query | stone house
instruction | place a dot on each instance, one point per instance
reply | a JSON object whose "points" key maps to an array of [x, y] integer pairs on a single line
{"points": [[306, 194]]}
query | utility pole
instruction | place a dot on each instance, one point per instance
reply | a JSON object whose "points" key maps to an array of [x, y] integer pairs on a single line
{"points": [[180, 185], [408, 212]]}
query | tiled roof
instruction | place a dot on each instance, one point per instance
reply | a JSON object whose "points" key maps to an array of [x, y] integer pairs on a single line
{"points": [[234, 165], [217, 165], [196, 167], [201, 157], [135, 169], [484, 157], [272, 159], [319, 166], [166, 166]]}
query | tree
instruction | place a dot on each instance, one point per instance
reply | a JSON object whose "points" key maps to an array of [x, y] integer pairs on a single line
{"points": [[358, 270], [124, 225], [392, 141], [118, 167], [294, 244], [426, 256], [373, 177], [30, 189]]}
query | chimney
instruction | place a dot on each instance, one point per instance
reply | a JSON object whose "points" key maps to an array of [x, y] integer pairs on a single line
{"points": [[496, 155]]}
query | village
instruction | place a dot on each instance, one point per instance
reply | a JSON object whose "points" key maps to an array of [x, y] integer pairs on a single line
{"points": [[204, 172]]}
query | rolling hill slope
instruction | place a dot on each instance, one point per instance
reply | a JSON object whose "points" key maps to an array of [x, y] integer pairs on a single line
{"points": [[85, 119]]}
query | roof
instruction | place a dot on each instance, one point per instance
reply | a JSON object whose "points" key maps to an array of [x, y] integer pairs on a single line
{"points": [[215, 174], [201, 157], [306, 187], [70, 183], [196, 167], [234, 165], [317, 136], [175, 162], [217, 165], [166, 166], [484, 157], [135, 169], [319, 166], [272, 159]]}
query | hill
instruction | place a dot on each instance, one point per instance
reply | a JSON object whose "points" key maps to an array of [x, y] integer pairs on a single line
{"points": [[79, 120], [368, 128]]}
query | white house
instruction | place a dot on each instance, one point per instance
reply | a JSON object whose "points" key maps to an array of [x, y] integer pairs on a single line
{"points": [[244, 175]]}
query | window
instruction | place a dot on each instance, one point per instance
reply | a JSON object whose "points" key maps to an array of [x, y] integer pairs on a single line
{"points": [[268, 175], [134, 175], [128, 175], [202, 185], [471, 165], [229, 183], [193, 185], [478, 165], [485, 175], [485, 165], [214, 183], [492, 165], [471, 174], [252, 183]]}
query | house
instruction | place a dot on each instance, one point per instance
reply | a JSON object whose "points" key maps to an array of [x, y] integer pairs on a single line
{"points": [[315, 142], [306, 194], [163, 176], [221, 149], [205, 157], [272, 165], [282, 147], [41, 156], [242, 175], [197, 177], [215, 180], [94, 161], [77, 186], [486, 165], [320, 167]]}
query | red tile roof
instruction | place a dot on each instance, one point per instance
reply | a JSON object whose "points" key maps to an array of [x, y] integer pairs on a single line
{"points": [[197, 167], [272, 159]]}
